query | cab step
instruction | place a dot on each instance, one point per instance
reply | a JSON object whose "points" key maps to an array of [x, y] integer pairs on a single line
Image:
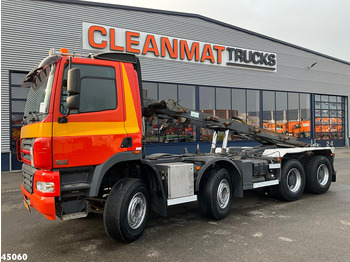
{"points": [[74, 216]]}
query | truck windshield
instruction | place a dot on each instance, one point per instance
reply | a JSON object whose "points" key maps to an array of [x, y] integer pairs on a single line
{"points": [[40, 81]]}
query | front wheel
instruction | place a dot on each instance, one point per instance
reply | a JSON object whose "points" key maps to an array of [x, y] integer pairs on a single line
{"points": [[127, 210], [292, 182], [216, 194]]}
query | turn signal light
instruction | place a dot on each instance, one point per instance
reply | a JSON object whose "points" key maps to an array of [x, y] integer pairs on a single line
{"points": [[42, 151], [64, 50]]}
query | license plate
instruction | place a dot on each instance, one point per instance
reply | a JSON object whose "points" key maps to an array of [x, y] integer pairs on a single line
{"points": [[26, 204]]}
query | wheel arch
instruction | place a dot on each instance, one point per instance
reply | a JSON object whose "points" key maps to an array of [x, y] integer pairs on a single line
{"points": [[148, 173], [236, 175], [101, 170]]}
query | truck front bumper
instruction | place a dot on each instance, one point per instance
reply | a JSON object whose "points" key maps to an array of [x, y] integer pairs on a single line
{"points": [[44, 205], [43, 202]]}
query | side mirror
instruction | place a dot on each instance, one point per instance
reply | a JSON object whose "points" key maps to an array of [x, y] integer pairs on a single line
{"points": [[73, 88], [73, 81], [73, 102]]}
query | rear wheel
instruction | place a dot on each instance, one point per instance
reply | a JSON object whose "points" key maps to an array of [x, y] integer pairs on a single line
{"points": [[216, 194], [127, 210], [318, 174], [292, 182]]}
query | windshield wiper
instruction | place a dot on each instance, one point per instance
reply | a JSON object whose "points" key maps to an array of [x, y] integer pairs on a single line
{"points": [[34, 114]]}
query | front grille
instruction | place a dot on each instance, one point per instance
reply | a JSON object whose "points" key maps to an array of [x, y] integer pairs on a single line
{"points": [[28, 177], [26, 146]]}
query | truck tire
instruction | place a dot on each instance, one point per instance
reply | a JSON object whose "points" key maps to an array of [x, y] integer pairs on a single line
{"points": [[216, 194], [126, 211], [318, 175], [292, 182]]}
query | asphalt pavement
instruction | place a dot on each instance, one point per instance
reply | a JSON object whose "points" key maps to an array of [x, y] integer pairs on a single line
{"points": [[258, 228]]}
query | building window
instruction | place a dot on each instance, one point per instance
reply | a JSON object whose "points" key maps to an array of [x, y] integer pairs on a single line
{"points": [[281, 112], [239, 109], [223, 103], [187, 99], [206, 105], [150, 90], [239, 104], [166, 130], [253, 108], [305, 117], [151, 123], [207, 99], [167, 91], [293, 113], [222, 107], [287, 112], [269, 110]]}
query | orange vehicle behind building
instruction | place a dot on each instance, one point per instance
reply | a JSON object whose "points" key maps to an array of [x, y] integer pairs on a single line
{"points": [[298, 129]]}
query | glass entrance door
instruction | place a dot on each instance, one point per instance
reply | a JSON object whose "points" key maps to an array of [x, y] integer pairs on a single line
{"points": [[329, 120], [18, 97]]}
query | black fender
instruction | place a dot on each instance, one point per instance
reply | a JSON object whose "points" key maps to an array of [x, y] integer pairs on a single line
{"points": [[157, 194], [101, 170], [222, 162]]}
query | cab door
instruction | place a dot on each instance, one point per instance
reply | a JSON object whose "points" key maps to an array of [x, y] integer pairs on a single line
{"points": [[94, 132]]}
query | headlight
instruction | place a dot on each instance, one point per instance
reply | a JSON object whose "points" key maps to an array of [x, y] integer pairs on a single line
{"points": [[45, 187]]}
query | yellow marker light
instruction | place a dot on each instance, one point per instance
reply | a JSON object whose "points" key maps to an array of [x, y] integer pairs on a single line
{"points": [[137, 152], [64, 50], [198, 167]]}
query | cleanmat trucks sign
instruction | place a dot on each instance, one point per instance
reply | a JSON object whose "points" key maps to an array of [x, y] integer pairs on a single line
{"points": [[106, 38]]}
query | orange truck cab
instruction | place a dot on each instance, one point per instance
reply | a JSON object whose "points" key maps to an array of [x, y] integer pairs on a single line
{"points": [[72, 135]]}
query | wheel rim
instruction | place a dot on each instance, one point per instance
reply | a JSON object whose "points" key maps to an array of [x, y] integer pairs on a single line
{"points": [[294, 180], [223, 194], [137, 210], [322, 174]]}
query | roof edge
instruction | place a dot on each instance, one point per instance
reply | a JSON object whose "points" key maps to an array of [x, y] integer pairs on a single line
{"points": [[176, 13]]}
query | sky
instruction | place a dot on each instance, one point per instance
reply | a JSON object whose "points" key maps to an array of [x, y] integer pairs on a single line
{"points": [[319, 25]]}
